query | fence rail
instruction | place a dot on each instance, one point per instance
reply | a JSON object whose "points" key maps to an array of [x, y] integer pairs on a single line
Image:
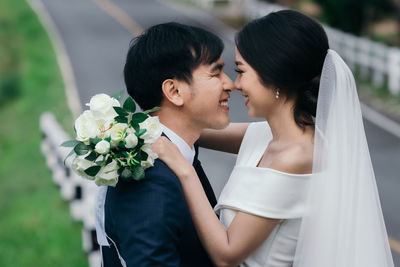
{"points": [[79, 192]]}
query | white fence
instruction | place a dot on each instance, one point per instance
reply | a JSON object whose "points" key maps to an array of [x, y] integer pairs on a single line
{"points": [[374, 61], [73, 188]]}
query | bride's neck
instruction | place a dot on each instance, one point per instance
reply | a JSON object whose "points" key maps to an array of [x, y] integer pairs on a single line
{"points": [[284, 128]]}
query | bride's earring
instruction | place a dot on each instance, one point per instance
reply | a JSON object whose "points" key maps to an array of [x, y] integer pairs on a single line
{"points": [[277, 93]]}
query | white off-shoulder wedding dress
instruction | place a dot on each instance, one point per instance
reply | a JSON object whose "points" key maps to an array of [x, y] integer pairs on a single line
{"points": [[267, 193]]}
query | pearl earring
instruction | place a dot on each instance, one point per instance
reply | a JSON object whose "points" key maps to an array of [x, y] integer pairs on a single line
{"points": [[277, 93]]}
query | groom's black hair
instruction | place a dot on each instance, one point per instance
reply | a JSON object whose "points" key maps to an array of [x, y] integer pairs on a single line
{"points": [[166, 51]]}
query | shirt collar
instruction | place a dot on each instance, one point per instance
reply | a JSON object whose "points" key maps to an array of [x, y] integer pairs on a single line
{"points": [[187, 151]]}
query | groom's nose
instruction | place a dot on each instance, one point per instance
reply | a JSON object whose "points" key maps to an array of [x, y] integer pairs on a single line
{"points": [[228, 84]]}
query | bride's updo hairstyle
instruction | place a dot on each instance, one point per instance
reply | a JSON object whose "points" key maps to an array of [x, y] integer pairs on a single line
{"points": [[287, 49]]}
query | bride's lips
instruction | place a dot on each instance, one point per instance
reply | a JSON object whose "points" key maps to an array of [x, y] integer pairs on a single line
{"points": [[247, 99]]}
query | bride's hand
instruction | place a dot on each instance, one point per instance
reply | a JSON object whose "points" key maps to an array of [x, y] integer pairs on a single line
{"points": [[169, 153]]}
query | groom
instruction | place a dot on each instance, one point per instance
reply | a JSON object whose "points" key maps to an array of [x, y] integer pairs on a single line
{"points": [[178, 68]]}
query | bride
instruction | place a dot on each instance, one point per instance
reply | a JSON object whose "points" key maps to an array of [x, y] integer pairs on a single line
{"points": [[302, 192]]}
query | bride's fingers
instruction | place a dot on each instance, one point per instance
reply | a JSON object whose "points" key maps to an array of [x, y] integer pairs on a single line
{"points": [[160, 146]]}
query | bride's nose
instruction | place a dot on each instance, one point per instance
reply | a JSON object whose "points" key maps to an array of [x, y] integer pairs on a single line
{"points": [[237, 83]]}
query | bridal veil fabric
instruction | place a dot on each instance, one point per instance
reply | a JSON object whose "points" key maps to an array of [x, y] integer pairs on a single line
{"points": [[344, 225]]}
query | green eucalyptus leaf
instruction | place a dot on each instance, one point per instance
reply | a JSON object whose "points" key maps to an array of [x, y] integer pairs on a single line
{"points": [[140, 143], [94, 141], [129, 105], [141, 132], [81, 149], [70, 143], [138, 118], [121, 144], [108, 161], [118, 95], [151, 110], [138, 173], [92, 171], [126, 173], [92, 156], [69, 155], [121, 154], [120, 111], [108, 139], [135, 126], [143, 156], [121, 119]]}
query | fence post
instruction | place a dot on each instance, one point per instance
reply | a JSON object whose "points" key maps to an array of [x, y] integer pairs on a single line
{"points": [[379, 54], [394, 70]]}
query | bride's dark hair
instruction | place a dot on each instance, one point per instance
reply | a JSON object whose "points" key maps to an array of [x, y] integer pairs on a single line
{"points": [[287, 49]]}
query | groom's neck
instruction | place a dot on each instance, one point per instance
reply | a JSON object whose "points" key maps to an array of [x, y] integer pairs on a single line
{"points": [[181, 125]]}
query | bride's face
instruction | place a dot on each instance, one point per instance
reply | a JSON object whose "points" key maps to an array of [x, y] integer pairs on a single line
{"points": [[259, 99]]}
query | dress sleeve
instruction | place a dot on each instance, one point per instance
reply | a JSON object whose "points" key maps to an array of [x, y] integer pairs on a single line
{"points": [[254, 142], [151, 235], [265, 192]]}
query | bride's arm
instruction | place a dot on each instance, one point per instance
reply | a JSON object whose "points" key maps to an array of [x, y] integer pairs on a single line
{"points": [[226, 247], [226, 140]]}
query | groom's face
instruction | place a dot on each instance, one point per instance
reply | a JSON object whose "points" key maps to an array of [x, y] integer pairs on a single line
{"points": [[207, 103]]}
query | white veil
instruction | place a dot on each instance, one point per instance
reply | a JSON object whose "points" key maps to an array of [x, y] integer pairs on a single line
{"points": [[344, 225]]}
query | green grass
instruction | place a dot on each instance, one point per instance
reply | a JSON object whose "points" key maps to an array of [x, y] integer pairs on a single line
{"points": [[35, 226]]}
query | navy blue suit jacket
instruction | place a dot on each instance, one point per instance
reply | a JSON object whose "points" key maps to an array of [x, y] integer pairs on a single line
{"points": [[150, 222]]}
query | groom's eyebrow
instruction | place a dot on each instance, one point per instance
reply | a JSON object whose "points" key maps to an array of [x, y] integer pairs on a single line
{"points": [[238, 63], [218, 67]]}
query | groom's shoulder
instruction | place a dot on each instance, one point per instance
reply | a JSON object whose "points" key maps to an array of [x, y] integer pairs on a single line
{"points": [[159, 187], [160, 172], [158, 178]]}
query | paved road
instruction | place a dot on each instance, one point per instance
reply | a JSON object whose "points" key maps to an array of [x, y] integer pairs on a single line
{"points": [[97, 43]]}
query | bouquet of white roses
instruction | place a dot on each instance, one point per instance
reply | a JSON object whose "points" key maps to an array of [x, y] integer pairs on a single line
{"points": [[113, 142]]}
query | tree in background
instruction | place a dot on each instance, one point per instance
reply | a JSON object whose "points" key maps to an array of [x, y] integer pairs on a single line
{"points": [[354, 16]]}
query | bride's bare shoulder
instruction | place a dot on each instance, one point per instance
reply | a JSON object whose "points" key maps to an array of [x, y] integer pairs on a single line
{"points": [[295, 159]]}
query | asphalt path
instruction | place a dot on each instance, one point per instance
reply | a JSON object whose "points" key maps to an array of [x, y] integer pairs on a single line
{"points": [[96, 35]]}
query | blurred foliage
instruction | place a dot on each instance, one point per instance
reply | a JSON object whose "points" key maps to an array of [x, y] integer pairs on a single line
{"points": [[9, 60], [36, 228], [354, 16], [378, 20]]}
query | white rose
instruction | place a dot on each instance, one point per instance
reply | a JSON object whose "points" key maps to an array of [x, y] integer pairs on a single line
{"points": [[102, 147], [108, 174], [104, 127], [117, 132], [86, 127], [153, 129], [131, 141], [150, 159], [102, 105], [80, 164], [130, 130]]}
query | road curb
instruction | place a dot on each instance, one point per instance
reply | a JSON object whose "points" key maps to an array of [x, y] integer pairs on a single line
{"points": [[380, 120]]}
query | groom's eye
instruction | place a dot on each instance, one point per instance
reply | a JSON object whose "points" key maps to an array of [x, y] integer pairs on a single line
{"points": [[216, 74]]}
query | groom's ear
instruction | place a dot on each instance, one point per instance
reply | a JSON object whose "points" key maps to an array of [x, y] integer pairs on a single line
{"points": [[170, 89]]}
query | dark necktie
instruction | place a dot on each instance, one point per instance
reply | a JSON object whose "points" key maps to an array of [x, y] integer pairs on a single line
{"points": [[203, 178]]}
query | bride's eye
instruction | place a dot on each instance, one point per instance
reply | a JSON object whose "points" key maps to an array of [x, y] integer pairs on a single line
{"points": [[238, 71]]}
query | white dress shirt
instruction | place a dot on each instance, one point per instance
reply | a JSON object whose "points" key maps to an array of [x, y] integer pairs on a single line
{"points": [[187, 151]]}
